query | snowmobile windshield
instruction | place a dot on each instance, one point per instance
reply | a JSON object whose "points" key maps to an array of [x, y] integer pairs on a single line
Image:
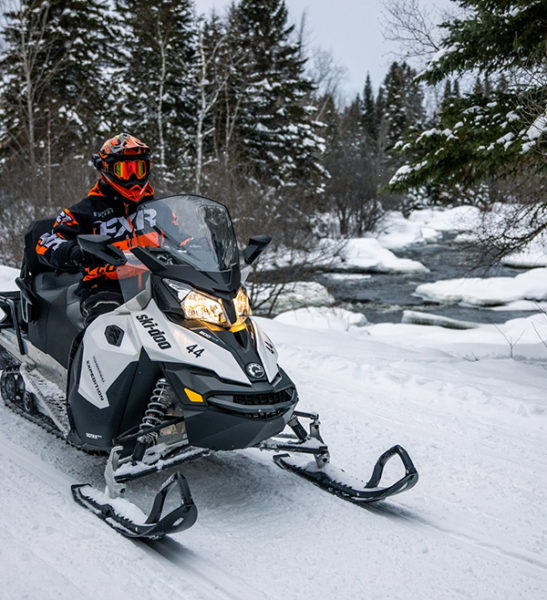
{"points": [[190, 230]]}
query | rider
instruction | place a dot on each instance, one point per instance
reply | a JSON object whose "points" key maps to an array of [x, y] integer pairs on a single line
{"points": [[109, 208]]}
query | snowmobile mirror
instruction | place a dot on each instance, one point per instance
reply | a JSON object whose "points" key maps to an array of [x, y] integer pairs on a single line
{"points": [[101, 247], [257, 244]]}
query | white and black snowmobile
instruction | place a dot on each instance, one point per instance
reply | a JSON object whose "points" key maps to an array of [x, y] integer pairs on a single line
{"points": [[178, 371]]}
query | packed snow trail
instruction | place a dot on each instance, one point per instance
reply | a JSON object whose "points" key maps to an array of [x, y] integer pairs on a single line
{"points": [[475, 526], [179, 564]]}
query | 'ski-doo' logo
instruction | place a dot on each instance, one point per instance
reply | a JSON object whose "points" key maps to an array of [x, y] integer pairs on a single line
{"points": [[255, 370], [156, 334]]}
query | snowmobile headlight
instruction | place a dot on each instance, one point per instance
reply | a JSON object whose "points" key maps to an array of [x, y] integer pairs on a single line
{"points": [[181, 289], [242, 305], [203, 308]]}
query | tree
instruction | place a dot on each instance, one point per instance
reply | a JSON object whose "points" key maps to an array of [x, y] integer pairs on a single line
{"points": [[276, 131], [352, 185], [370, 121], [399, 107], [26, 70], [157, 95], [493, 136], [54, 89]]}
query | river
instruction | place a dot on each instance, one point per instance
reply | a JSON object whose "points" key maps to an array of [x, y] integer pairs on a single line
{"points": [[383, 297]]}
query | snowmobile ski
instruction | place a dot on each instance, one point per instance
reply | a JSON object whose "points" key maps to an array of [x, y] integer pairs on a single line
{"points": [[332, 480], [126, 518]]}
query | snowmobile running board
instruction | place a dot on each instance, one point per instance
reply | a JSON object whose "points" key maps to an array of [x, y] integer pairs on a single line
{"points": [[126, 518], [332, 480]]}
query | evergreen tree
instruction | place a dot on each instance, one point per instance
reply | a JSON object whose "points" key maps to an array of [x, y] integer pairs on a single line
{"points": [[369, 120], [277, 136], [156, 62], [403, 103], [27, 46], [78, 93], [53, 91], [53, 94], [352, 185], [487, 135]]}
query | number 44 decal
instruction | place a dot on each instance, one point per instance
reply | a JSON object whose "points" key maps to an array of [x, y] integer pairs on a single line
{"points": [[192, 350]]}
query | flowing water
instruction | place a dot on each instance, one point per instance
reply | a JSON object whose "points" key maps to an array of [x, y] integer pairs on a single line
{"points": [[384, 297]]}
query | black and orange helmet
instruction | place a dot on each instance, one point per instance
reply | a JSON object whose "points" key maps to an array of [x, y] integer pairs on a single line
{"points": [[124, 163]]}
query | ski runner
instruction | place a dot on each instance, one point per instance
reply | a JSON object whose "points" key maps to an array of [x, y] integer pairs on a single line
{"points": [[109, 208]]}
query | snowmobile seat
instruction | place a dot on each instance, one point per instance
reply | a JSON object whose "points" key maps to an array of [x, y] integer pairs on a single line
{"points": [[59, 320], [49, 298]]}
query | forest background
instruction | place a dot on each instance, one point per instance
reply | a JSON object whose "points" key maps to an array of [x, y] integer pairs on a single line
{"points": [[238, 108]]}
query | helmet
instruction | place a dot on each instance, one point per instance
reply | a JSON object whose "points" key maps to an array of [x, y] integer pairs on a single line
{"points": [[124, 163]]}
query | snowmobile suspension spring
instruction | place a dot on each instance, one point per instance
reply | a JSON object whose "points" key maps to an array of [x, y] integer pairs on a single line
{"points": [[153, 417], [157, 407]]}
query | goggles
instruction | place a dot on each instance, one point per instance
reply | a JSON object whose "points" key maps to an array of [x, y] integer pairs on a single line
{"points": [[123, 169]]}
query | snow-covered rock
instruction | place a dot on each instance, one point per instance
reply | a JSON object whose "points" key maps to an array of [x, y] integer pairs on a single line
{"points": [[421, 318], [396, 232], [369, 255], [491, 291]]}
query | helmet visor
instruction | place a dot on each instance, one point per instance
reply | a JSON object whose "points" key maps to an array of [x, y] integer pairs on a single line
{"points": [[123, 169]]}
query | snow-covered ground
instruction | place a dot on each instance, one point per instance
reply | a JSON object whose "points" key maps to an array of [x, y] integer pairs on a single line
{"points": [[469, 405], [474, 420]]}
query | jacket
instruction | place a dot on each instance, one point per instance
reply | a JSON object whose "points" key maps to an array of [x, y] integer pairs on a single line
{"points": [[102, 212]]}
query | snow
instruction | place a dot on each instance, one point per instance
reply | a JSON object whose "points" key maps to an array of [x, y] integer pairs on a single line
{"points": [[523, 339], [459, 218], [534, 255], [538, 127], [469, 406], [292, 295], [337, 319], [7, 283], [369, 255], [395, 232], [492, 291], [7, 279]]}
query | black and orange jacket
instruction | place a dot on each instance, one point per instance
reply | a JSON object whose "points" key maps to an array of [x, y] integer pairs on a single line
{"points": [[102, 212]]}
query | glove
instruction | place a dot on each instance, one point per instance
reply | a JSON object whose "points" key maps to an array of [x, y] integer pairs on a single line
{"points": [[81, 258]]}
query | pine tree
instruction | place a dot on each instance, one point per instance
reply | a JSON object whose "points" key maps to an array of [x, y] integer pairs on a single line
{"points": [[277, 136], [489, 135], [78, 94], [53, 63], [155, 75], [399, 109], [349, 159], [369, 111], [403, 103], [53, 94]]}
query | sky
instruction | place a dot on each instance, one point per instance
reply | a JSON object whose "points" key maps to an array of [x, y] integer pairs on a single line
{"points": [[350, 29]]}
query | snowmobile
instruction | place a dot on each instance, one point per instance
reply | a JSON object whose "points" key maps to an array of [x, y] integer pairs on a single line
{"points": [[179, 371]]}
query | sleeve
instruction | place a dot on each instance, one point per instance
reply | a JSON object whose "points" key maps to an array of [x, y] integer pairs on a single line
{"points": [[53, 248]]}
